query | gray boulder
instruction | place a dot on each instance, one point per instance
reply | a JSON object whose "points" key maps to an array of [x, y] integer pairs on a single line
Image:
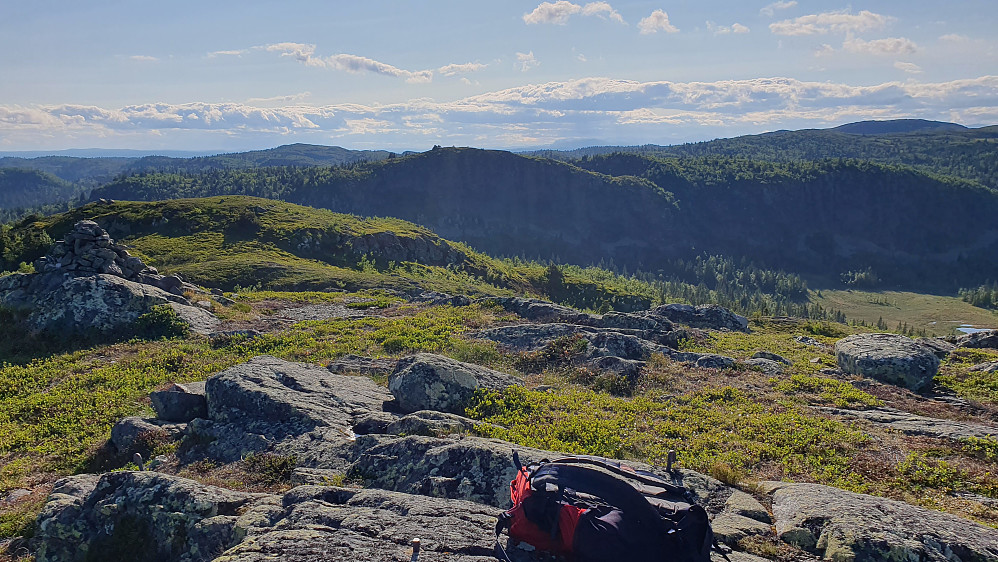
{"points": [[888, 358], [431, 382], [623, 367], [65, 304], [839, 525], [149, 516], [180, 402], [983, 339], [269, 395], [991, 367], [770, 356], [714, 361], [134, 434], [707, 317], [767, 366], [138, 516], [538, 310]]}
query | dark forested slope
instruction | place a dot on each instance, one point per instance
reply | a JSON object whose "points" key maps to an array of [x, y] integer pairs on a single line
{"points": [[22, 188], [822, 219]]}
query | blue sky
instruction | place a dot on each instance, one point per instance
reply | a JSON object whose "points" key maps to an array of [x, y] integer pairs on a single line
{"points": [[221, 75]]}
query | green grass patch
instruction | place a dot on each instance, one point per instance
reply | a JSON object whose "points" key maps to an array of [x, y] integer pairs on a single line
{"points": [[937, 315], [824, 389], [955, 374], [708, 427]]}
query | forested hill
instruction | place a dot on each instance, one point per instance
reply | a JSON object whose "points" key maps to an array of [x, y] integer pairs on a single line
{"points": [[22, 188], [91, 172], [946, 148], [823, 219]]}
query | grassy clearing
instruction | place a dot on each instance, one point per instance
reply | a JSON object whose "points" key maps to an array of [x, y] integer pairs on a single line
{"points": [[937, 315], [56, 411]]}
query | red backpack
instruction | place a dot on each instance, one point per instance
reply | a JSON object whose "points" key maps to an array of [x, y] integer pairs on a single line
{"points": [[590, 509]]}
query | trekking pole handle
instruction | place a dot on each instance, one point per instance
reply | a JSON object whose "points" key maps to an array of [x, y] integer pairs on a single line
{"points": [[415, 550]]}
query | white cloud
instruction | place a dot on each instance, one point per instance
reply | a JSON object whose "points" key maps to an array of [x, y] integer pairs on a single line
{"points": [[559, 12], [600, 8], [954, 37], [724, 30], [581, 57], [615, 110], [888, 46], [658, 20], [770, 9], [526, 61], [230, 53], [143, 58], [305, 53], [282, 99], [908, 67], [834, 22], [824, 50], [454, 69]]}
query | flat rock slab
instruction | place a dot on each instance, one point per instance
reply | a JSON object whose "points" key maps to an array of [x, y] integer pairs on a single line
{"points": [[269, 396], [986, 338], [911, 424], [889, 358], [840, 525], [707, 316], [432, 382]]}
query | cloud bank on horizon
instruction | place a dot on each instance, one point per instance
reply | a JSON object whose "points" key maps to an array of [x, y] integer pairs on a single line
{"points": [[564, 74]]}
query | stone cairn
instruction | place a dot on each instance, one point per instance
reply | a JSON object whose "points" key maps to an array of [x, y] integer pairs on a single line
{"points": [[88, 249]]}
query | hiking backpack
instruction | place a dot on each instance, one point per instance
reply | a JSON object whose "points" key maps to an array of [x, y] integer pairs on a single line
{"points": [[590, 509]]}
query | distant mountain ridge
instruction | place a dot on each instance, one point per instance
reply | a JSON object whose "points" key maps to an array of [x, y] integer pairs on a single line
{"points": [[931, 146], [90, 172], [897, 126]]}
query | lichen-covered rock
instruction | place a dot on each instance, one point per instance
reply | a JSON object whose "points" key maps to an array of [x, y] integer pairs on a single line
{"points": [[770, 356], [134, 434], [888, 358], [767, 366], [911, 424], [269, 395], [254, 405], [624, 367], [707, 317], [982, 339], [538, 310], [137, 516], [429, 422], [840, 525], [65, 304], [180, 402], [431, 382], [940, 347], [714, 361], [991, 367]]}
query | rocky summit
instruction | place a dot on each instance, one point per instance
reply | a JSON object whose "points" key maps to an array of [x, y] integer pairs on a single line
{"points": [[445, 488]]}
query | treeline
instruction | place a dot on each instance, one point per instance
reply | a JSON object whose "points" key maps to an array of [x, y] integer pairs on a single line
{"points": [[985, 296], [971, 154]]}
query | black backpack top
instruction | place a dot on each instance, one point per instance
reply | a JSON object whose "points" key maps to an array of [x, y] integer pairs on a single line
{"points": [[592, 509]]}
